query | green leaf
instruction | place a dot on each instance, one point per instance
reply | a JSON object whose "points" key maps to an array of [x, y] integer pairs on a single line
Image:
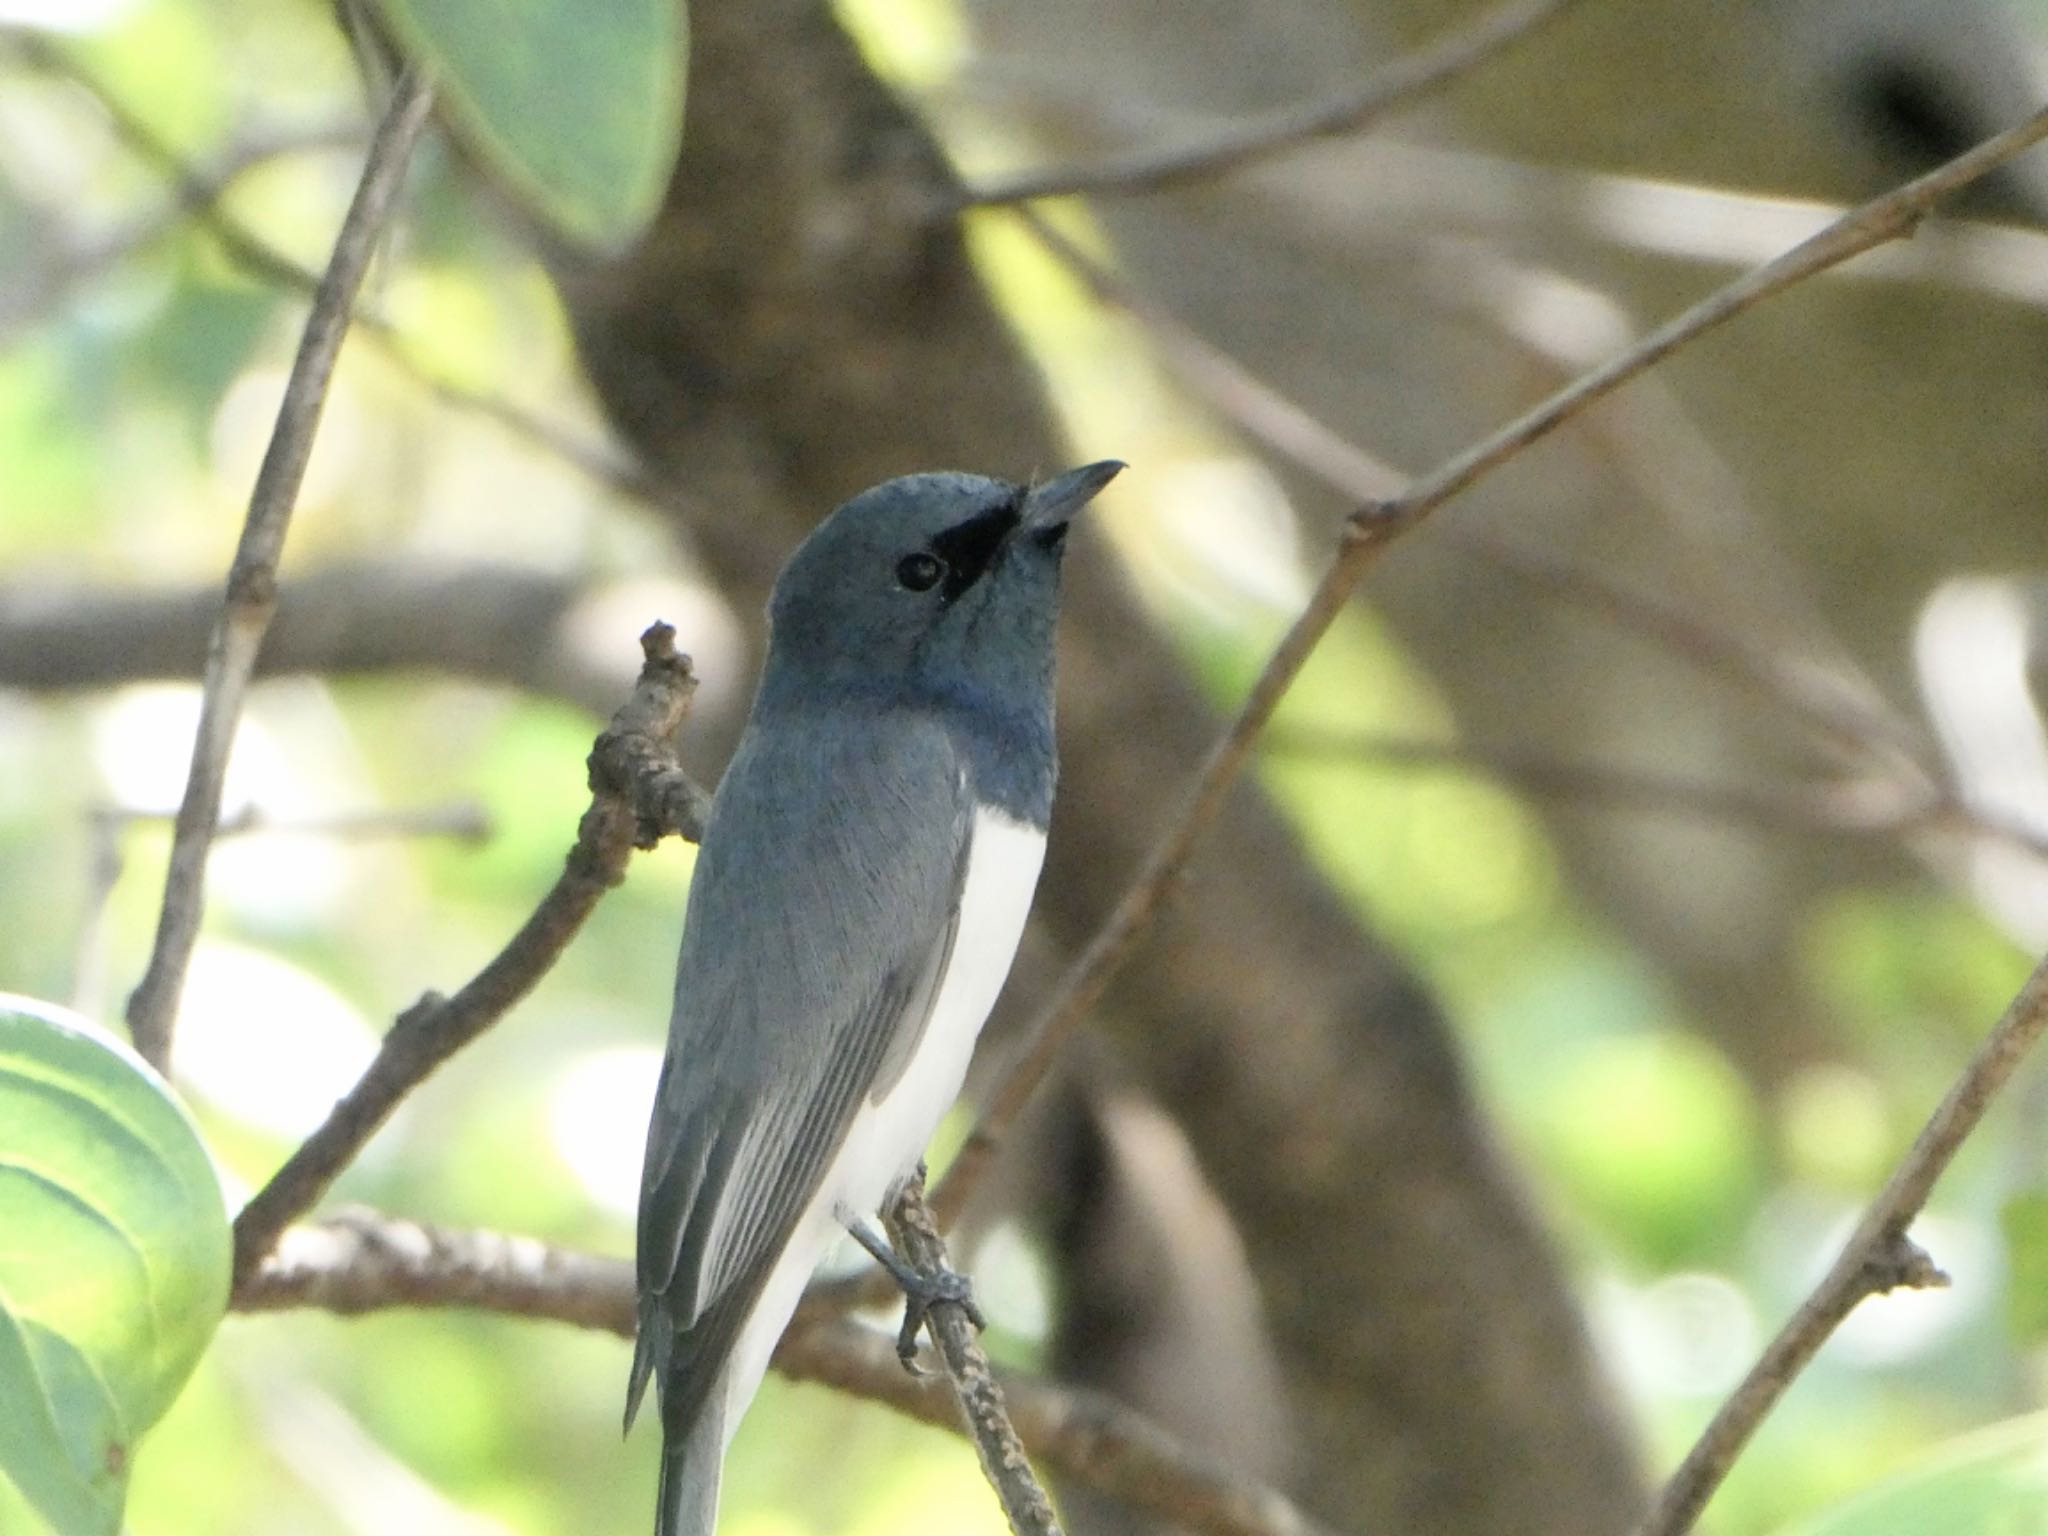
{"points": [[1993, 1482], [114, 1260], [576, 104]]}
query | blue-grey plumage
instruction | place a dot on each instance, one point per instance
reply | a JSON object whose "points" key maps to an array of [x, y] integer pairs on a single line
{"points": [[860, 890]]}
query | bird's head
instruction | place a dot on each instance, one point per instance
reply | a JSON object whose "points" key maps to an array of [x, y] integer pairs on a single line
{"points": [[945, 584]]}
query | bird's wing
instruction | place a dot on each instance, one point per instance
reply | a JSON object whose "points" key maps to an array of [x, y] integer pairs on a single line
{"points": [[821, 918]]}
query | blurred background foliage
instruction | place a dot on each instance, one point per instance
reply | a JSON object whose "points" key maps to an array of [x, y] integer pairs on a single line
{"points": [[139, 364]]}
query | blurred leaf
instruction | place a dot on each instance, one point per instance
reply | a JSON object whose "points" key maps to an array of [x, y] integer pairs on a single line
{"points": [[113, 1264], [1991, 1483], [1657, 1135], [2024, 1221], [577, 104], [196, 347]]}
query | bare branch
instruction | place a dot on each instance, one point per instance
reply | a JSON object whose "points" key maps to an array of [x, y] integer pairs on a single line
{"points": [[638, 795], [1003, 1462], [462, 820], [252, 579], [359, 1261], [79, 258], [1368, 533], [1400, 85], [198, 196], [1879, 1256]]}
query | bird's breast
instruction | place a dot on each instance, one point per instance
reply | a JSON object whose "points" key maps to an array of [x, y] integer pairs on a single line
{"points": [[890, 1130]]}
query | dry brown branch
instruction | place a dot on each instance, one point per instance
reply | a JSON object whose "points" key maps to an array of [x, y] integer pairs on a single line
{"points": [[1369, 531], [982, 1409], [1401, 84], [638, 795], [359, 1261], [356, 1261], [1878, 1256], [252, 579]]}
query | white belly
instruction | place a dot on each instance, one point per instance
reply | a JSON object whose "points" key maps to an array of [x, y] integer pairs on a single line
{"points": [[887, 1138]]}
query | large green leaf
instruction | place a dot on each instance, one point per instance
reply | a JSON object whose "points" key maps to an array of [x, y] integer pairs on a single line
{"points": [[1990, 1483], [577, 104], [114, 1260]]}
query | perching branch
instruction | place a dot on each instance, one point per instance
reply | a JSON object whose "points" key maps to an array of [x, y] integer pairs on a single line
{"points": [[1003, 1462], [359, 1261], [639, 795], [1369, 531], [1401, 84], [1878, 1257], [252, 579]]}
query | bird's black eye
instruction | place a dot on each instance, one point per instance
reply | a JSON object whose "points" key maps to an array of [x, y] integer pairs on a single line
{"points": [[920, 572]]}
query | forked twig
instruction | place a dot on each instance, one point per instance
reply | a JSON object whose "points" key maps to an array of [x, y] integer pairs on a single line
{"points": [[639, 794], [1878, 1257]]}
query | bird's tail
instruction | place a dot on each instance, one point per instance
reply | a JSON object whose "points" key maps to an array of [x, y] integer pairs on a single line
{"points": [[687, 1503]]}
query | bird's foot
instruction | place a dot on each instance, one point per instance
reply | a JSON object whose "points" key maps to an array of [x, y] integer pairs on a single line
{"points": [[922, 1289], [922, 1292]]}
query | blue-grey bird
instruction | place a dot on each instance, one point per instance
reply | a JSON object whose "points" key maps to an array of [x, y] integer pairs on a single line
{"points": [[860, 890]]}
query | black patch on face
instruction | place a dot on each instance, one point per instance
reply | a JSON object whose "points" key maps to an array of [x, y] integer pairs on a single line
{"points": [[969, 548]]}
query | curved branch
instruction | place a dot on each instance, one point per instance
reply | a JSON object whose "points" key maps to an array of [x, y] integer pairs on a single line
{"points": [[638, 795], [360, 1261]]}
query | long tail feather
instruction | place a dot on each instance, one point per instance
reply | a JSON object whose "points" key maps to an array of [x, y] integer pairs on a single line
{"points": [[687, 1504]]}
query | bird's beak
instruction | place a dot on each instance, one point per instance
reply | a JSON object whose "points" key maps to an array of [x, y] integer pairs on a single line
{"points": [[1053, 504]]}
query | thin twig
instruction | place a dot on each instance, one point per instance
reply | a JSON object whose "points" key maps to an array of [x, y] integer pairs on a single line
{"points": [[198, 196], [83, 257], [638, 795], [1003, 1462], [462, 820], [358, 1261], [1401, 84], [1369, 531], [1877, 1257], [252, 579]]}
